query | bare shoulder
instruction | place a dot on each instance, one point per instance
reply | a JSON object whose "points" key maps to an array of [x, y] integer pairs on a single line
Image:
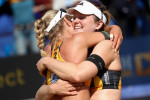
{"points": [[75, 41], [73, 47], [78, 38]]}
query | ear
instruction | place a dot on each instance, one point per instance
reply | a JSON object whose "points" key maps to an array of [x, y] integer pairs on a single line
{"points": [[67, 22], [99, 25]]}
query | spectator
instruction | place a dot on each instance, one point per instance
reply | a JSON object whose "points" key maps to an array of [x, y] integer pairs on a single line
{"points": [[57, 4], [23, 26], [125, 13], [7, 41], [142, 20], [41, 6]]}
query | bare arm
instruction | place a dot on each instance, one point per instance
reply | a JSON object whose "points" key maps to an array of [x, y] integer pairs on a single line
{"points": [[76, 47], [113, 29], [83, 71], [44, 93]]}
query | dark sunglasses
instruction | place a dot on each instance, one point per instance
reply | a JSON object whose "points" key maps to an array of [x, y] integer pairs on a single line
{"points": [[62, 10]]}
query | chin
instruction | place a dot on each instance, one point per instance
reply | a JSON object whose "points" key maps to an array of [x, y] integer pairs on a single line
{"points": [[77, 31]]}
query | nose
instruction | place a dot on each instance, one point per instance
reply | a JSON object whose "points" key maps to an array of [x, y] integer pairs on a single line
{"points": [[76, 20]]}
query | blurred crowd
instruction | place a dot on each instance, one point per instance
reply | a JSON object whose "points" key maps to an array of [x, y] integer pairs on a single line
{"points": [[17, 36], [133, 16]]}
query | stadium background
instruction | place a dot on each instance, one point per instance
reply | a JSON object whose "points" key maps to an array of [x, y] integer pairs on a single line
{"points": [[19, 78]]}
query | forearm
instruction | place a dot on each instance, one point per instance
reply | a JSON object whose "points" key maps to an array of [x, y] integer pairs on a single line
{"points": [[108, 28], [114, 29], [70, 71], [44, 93], [93, 38], [65, 71]]}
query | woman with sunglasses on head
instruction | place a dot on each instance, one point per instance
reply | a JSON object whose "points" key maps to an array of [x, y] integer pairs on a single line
{"points": [[66, 42]]}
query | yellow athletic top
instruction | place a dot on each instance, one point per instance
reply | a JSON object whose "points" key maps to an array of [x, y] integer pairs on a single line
{"points": [[56, 55]]}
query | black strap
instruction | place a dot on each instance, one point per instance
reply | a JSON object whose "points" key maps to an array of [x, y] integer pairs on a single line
{"points": [[97, 60], [106, 35]]}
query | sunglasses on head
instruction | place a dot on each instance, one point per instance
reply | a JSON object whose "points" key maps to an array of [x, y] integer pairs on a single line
{"points": [[62, 10]]}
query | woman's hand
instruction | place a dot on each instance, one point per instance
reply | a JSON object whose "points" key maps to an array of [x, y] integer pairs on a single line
{"points": [[47, 92], [41, 66], [65, 88], [115, 35]]}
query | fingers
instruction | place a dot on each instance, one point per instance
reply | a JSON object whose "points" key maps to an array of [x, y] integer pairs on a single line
{"points": [[78, 88], [43, 74], [118, 45], [71, 89], [42, 69], [71, 93], [74, 88], [66, 88], [115, 39], [77, 84]]}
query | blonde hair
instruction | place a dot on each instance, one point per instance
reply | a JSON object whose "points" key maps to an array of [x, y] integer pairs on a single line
{"points": [[42, 24], [53, 34]]}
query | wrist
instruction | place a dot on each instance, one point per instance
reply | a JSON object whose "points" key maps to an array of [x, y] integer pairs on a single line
{"points": [[51, 89], [106, 35], [46, 61]]}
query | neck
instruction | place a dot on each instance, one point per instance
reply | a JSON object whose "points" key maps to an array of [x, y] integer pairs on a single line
{"points": [[66, 34]]}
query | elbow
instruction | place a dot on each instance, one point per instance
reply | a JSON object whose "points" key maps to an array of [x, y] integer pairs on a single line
{"points": [[77, 78], [36, 97]]}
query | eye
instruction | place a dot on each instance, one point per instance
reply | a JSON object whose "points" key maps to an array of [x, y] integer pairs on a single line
{"points": [[82, 18]]}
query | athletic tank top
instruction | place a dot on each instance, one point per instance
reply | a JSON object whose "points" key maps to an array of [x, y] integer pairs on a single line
{"points": [[55, 52]]}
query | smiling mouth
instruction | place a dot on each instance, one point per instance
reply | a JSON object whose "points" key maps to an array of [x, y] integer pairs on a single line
{"points": [[77, 27]]}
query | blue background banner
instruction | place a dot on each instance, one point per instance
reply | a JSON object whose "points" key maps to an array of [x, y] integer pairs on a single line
{"points": [[135, 59]]}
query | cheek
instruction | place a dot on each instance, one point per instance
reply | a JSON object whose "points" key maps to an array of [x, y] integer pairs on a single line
{"points": [[89, 26], [72, 30]]}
